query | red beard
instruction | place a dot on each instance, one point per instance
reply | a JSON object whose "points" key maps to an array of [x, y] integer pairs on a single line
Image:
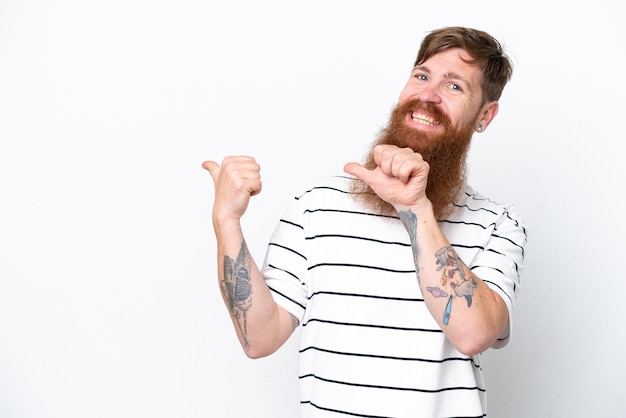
{"points": [[445, 153]]}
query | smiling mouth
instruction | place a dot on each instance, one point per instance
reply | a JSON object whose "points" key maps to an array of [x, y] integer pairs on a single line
{"points": [[423, 119]]}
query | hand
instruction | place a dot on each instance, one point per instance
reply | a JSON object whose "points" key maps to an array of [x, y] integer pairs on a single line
{"points": [[399, 178], [238, 179]]}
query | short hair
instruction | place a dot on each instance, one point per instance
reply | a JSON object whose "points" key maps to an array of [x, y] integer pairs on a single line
{"points": [[485, 50]]}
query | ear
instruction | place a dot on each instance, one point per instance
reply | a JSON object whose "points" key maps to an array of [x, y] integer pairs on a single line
{"points": [[486, 115]]}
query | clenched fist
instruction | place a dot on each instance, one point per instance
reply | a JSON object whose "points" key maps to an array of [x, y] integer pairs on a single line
{"points": [[399, 178], [235, 182]]}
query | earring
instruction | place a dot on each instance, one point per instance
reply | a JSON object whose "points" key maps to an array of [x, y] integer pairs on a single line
{"points": [[480, 128]]}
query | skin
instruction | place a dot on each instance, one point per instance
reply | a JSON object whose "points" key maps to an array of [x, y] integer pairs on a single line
{"points": [[454, 86], [261, 325], [400, 178]]}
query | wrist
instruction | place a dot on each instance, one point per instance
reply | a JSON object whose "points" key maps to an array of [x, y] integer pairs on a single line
{"points": [[225, 223], [422, 209]]}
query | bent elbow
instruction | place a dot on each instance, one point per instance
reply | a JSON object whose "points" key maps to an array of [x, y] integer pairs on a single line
{"points": [[254, 355], [472, 348], [255, 352], [259, 349], [473, 344], [476, 339]]}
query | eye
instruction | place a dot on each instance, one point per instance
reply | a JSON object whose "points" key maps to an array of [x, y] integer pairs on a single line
{"points": [[420, 76], [456, 88]]}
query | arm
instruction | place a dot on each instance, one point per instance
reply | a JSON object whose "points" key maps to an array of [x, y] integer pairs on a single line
{"points": [[261, 325], [471, 315]]}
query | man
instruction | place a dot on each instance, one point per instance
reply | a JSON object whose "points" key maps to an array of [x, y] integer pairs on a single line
{"points": [[399, 272]]}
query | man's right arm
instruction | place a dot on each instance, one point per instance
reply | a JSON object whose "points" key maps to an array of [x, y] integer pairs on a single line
{"points": [[261, 325]]}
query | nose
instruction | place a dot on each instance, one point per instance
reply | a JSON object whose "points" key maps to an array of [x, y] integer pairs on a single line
{"points": [[429, 94]]}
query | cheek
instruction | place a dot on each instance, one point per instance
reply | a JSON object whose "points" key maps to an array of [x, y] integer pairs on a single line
{"points": [[407, 93], [463, 115]]}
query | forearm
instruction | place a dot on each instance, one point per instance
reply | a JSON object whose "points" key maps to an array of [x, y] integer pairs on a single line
{"points": [[470, 314], [256, 317]]}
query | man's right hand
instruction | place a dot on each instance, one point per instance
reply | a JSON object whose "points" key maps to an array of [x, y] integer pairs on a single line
{"points": [[235, 182]]}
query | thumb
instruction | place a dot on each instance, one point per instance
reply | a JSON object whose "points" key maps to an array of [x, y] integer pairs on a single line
{"points": [[212, 167], [358, 171]]}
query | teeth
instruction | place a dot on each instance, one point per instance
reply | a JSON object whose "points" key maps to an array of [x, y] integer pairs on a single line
{"points": [[424, 119]]}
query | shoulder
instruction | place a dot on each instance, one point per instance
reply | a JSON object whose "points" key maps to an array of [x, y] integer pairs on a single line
{"points": [[486, 220], [474, 205], [329, 194], [329, 187]]}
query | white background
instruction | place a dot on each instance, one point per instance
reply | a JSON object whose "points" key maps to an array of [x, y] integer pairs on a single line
{"points": [[109, 304]]}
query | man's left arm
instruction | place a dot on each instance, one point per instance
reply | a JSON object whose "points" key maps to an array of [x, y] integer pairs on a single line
{"points": [[471, 315]]}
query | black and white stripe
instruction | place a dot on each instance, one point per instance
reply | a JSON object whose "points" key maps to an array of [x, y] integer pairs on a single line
{"points": [[369, 346]]}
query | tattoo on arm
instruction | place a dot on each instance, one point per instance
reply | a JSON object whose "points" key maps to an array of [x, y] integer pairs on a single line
{"points": [[409, 220], [236, 287], [451, 264], [453, 274]]}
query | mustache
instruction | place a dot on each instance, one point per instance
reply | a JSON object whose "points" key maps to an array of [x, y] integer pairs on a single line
{"points": [[445, 151], [416, 104]]}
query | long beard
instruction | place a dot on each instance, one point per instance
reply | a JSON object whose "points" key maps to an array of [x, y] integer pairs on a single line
{"points": [[446, 154]]}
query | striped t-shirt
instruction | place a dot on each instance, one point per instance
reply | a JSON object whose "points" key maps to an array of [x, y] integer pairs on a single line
{"points": [[369, 346]]}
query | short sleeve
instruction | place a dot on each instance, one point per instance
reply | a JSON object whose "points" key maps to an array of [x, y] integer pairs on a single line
{"points": [[285, 264], [501, 262]]}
